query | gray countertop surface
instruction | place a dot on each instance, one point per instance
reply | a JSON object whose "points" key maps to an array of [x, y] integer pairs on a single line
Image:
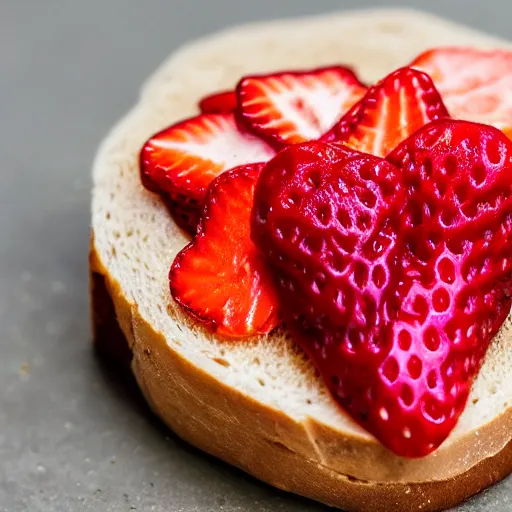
{"points": [[73, 436]]}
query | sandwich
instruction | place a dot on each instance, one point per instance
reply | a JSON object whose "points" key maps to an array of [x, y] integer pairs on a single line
{"points": [[301, 246]]}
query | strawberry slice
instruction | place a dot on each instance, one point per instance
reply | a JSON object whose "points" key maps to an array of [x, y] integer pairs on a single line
{"points": [[394, 276], [476, 85], [389, 112], [181, 161], [220, 278], [291, 107], [218, 103]]}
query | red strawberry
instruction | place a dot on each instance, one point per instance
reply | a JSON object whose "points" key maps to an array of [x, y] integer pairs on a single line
{"points": [[389, 112], [181, 161], [393, 278], [290, 107], [476, 85], [219, 277], [218, 103]]}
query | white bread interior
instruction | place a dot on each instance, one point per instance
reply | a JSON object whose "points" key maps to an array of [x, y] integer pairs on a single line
{"points": [[260, 404]]}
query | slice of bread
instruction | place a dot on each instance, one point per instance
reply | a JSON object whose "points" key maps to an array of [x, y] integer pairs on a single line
{"points": [[260, 405]]}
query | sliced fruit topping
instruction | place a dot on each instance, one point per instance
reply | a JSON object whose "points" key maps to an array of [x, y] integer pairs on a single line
{"points": [[291, 107], [220, 277], [218, 103], [393, 276], [389, 112], [181, 161], [476, 85]]}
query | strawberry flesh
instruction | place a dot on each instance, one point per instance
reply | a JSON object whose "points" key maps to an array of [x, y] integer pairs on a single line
{"points": [[393, 275], [476, 85], [389, 112], [218, 103], [291, 107], [181, 161], [220, 278]]}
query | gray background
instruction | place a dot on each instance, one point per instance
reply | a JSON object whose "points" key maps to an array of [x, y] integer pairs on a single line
{"points": [[72, 437]]}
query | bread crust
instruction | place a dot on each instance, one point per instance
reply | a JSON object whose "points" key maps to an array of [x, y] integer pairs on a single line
{"points": [[233, 427], [344, 468]]}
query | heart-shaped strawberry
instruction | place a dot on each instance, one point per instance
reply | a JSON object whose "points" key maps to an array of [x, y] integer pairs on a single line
{"points": [[393, 275]]}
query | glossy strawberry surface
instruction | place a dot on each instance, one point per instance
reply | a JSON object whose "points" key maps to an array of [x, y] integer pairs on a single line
{"points": [[220, 278], [394, 275], [389, 112]]}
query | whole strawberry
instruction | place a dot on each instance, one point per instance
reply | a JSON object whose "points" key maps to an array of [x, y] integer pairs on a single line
{"points": [[393, 275]]}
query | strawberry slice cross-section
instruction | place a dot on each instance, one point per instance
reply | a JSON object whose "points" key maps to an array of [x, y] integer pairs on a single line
{"points": [[220, 277], [476, 85], [390, 111], [181, 161], [291, 107]]}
